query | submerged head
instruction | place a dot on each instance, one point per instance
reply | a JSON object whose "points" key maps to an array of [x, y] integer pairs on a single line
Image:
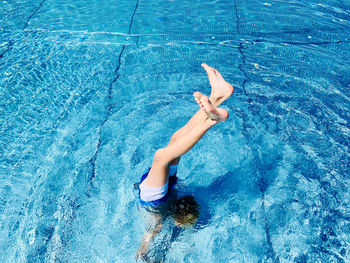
{"points": [[186, 211]]}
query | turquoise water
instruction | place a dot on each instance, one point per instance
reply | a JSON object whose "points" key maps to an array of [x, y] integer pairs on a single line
{"points": [[90, 89]]}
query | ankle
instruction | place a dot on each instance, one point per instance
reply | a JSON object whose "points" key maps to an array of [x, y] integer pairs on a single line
{"points": [[214, 100], [209, 122]]}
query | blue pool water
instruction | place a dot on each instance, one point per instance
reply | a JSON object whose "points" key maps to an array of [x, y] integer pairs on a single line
{"points": [[90, 89]]}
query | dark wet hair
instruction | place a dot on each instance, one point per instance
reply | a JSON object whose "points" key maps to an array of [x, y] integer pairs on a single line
{"points": [[186, 211]]}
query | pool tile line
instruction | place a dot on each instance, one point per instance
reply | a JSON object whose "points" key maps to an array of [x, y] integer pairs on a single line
{"points": [[14, 226], [33, 14], [263, 185], [11, 42], [294, 43], [271, 254], [270, 251], [9, 45], [132, 16], [92, 161], [239, 44], [241, 68], [259, 36], [240, 49]]}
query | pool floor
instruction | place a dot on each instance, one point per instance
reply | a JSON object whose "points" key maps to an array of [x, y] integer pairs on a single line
{"points": [[90, 90]]}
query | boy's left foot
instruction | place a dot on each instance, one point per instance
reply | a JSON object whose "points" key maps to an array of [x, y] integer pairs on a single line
{"points": [[213, 113], [220, 88]]}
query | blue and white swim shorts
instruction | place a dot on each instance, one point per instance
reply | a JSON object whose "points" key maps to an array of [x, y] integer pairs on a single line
{"points": [[154, 196]]}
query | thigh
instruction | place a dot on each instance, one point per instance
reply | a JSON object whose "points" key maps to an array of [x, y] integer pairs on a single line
{"points": [[158, 174]]}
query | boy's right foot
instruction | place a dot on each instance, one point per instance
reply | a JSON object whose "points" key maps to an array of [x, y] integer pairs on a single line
{"points": [[213, 113], [220, 88]]}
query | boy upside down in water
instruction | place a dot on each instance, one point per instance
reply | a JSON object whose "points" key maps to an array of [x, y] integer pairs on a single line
{"points": [[155, 188]]}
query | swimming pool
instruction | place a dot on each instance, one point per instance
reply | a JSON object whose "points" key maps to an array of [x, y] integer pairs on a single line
{"points": [[89, 90]]}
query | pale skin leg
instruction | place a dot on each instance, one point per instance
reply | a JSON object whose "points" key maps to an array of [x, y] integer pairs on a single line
{"points": [[185, 138], [149, 235], [174, 150], [220, 91]]}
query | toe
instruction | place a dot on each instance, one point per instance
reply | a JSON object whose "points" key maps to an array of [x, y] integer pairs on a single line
{"points": [[197, 95], [214, 70], [204, 99], [206, 103], [208, 69]]}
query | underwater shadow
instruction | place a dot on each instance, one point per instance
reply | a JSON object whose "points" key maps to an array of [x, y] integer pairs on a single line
{"points": [[217, 191]]}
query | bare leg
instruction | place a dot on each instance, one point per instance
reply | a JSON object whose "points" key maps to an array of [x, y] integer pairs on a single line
{"points": [[153, 230], [191, 133], [208, 116], [220, 91]]}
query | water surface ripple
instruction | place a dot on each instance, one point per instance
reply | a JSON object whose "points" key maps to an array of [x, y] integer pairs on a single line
{"points": [[89, 90]]}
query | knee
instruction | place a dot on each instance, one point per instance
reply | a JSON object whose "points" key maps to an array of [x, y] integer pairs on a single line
{"points": [[161, 156], [174, 137]]}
